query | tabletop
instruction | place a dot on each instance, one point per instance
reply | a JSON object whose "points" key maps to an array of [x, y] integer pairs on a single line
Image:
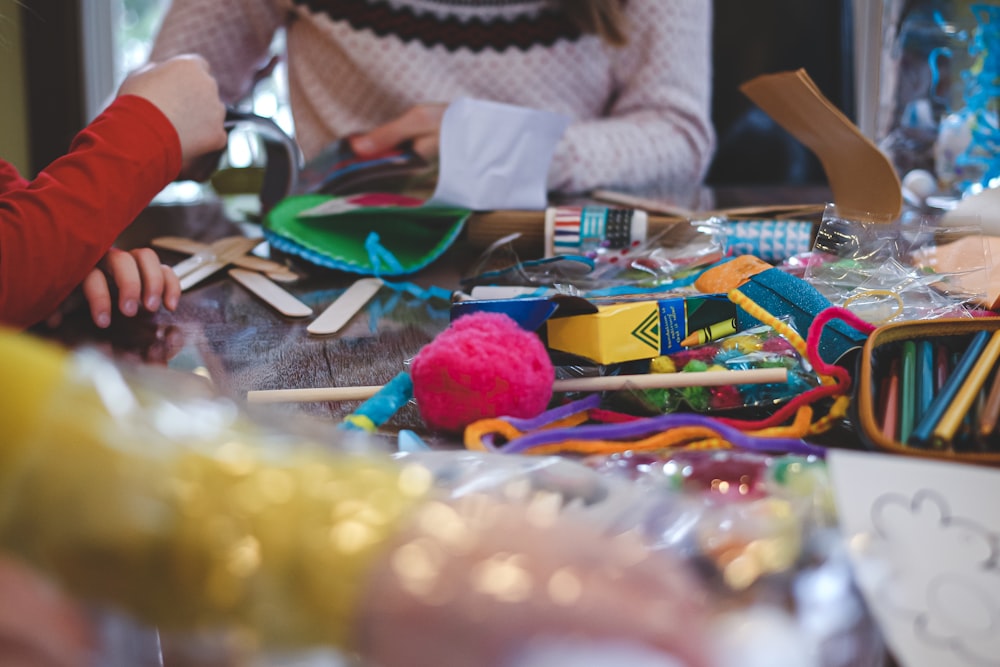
{"points": [[226, 334]]}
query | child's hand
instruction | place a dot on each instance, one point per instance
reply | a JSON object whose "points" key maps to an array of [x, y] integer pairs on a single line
{"points": [[184, 90], [142, 282]]}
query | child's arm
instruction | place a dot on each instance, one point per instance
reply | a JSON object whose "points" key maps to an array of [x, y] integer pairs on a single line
{"points": [[9, 178], [55, 229]]}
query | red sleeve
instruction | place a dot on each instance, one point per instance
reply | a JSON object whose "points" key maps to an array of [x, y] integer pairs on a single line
{"points": [[56, 228], [9, 178]]}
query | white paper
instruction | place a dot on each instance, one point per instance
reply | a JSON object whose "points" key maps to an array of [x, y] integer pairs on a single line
{"points": [[924, 540], [496, 156]]}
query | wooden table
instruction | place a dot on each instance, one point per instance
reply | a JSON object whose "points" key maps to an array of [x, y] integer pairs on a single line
{"points": [[224, 332]]}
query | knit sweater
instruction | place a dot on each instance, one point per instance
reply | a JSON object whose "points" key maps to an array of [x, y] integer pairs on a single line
{"points": [[640, 113], [55, 228]]}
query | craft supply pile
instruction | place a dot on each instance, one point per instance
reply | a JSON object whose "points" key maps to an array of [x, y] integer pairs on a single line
{"points": [[721, 357], [721, 384]]}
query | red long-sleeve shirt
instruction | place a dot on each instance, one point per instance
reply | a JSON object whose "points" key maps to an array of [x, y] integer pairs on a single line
{"points": [[54, 229]]}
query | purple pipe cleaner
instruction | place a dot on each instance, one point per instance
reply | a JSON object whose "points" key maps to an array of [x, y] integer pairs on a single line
{"points": [[636, 429]]}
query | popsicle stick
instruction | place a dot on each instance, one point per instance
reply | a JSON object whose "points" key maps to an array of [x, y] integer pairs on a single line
{"points": [[603, 383], [234, 248], [179, 244], [338, 313], [193, 263], [261, 265], [277, 298], [286, 276], [192, 278]]}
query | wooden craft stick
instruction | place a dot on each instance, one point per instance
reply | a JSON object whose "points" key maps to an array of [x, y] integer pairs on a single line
{"points": [[339, 313], [179, 244], [192, 278], [194, 262], [274, 296], [602, 383], [208, 259], [236, 252]]}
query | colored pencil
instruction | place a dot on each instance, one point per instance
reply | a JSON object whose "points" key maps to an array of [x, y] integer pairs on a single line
{"points": [[923, 432], [890, 402], [942, 366], [990, 415], [925, 375], [907, 389], [944, 432]]}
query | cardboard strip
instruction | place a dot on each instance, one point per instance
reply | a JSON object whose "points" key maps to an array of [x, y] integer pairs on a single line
{"points": [[338, 313], [277, 298], [864, 183]]}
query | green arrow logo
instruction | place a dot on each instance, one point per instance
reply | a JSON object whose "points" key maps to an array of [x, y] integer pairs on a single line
{"points": [[648, 331]]}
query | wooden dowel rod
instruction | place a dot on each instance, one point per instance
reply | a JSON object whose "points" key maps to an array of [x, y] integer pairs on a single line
{"points": [[601, 383]]}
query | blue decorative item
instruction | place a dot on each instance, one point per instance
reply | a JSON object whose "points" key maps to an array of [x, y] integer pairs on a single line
{"points": [[771, 240], [981, 158]]}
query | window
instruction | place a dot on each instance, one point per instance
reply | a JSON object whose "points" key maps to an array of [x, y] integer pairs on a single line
{"points": [[117, 37]]}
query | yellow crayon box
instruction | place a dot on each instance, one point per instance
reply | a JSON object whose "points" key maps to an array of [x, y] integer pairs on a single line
{"points": [[642, 329]]}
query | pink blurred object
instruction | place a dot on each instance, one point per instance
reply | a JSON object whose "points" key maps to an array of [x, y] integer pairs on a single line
{"points": [[484, 365]]}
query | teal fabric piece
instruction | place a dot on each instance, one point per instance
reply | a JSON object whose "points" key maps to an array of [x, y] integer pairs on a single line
{"points": [[784, 295], [379, 241]]}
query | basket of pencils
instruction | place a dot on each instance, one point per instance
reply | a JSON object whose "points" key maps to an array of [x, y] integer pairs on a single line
{"points": [[932, 389]]}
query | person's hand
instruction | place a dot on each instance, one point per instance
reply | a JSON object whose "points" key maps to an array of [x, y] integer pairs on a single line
{"points": [[142, 282], [184, 90], [485, 583], [420, 127], [40, 627]]}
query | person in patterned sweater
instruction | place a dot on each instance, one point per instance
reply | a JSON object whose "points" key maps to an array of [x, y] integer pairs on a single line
{"points": [[635, 75]]}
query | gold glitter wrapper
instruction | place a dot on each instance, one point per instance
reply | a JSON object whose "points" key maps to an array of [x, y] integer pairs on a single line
{"points": [[187, 516]]}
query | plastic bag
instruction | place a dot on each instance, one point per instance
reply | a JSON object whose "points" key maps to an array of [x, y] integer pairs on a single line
{"points": [[873, 269]]}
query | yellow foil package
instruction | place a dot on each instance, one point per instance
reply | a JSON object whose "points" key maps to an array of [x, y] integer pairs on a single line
{"points": [[642, 329]]}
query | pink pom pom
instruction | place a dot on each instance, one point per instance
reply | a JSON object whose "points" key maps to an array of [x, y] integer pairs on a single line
{"points": [[484, 365]]}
